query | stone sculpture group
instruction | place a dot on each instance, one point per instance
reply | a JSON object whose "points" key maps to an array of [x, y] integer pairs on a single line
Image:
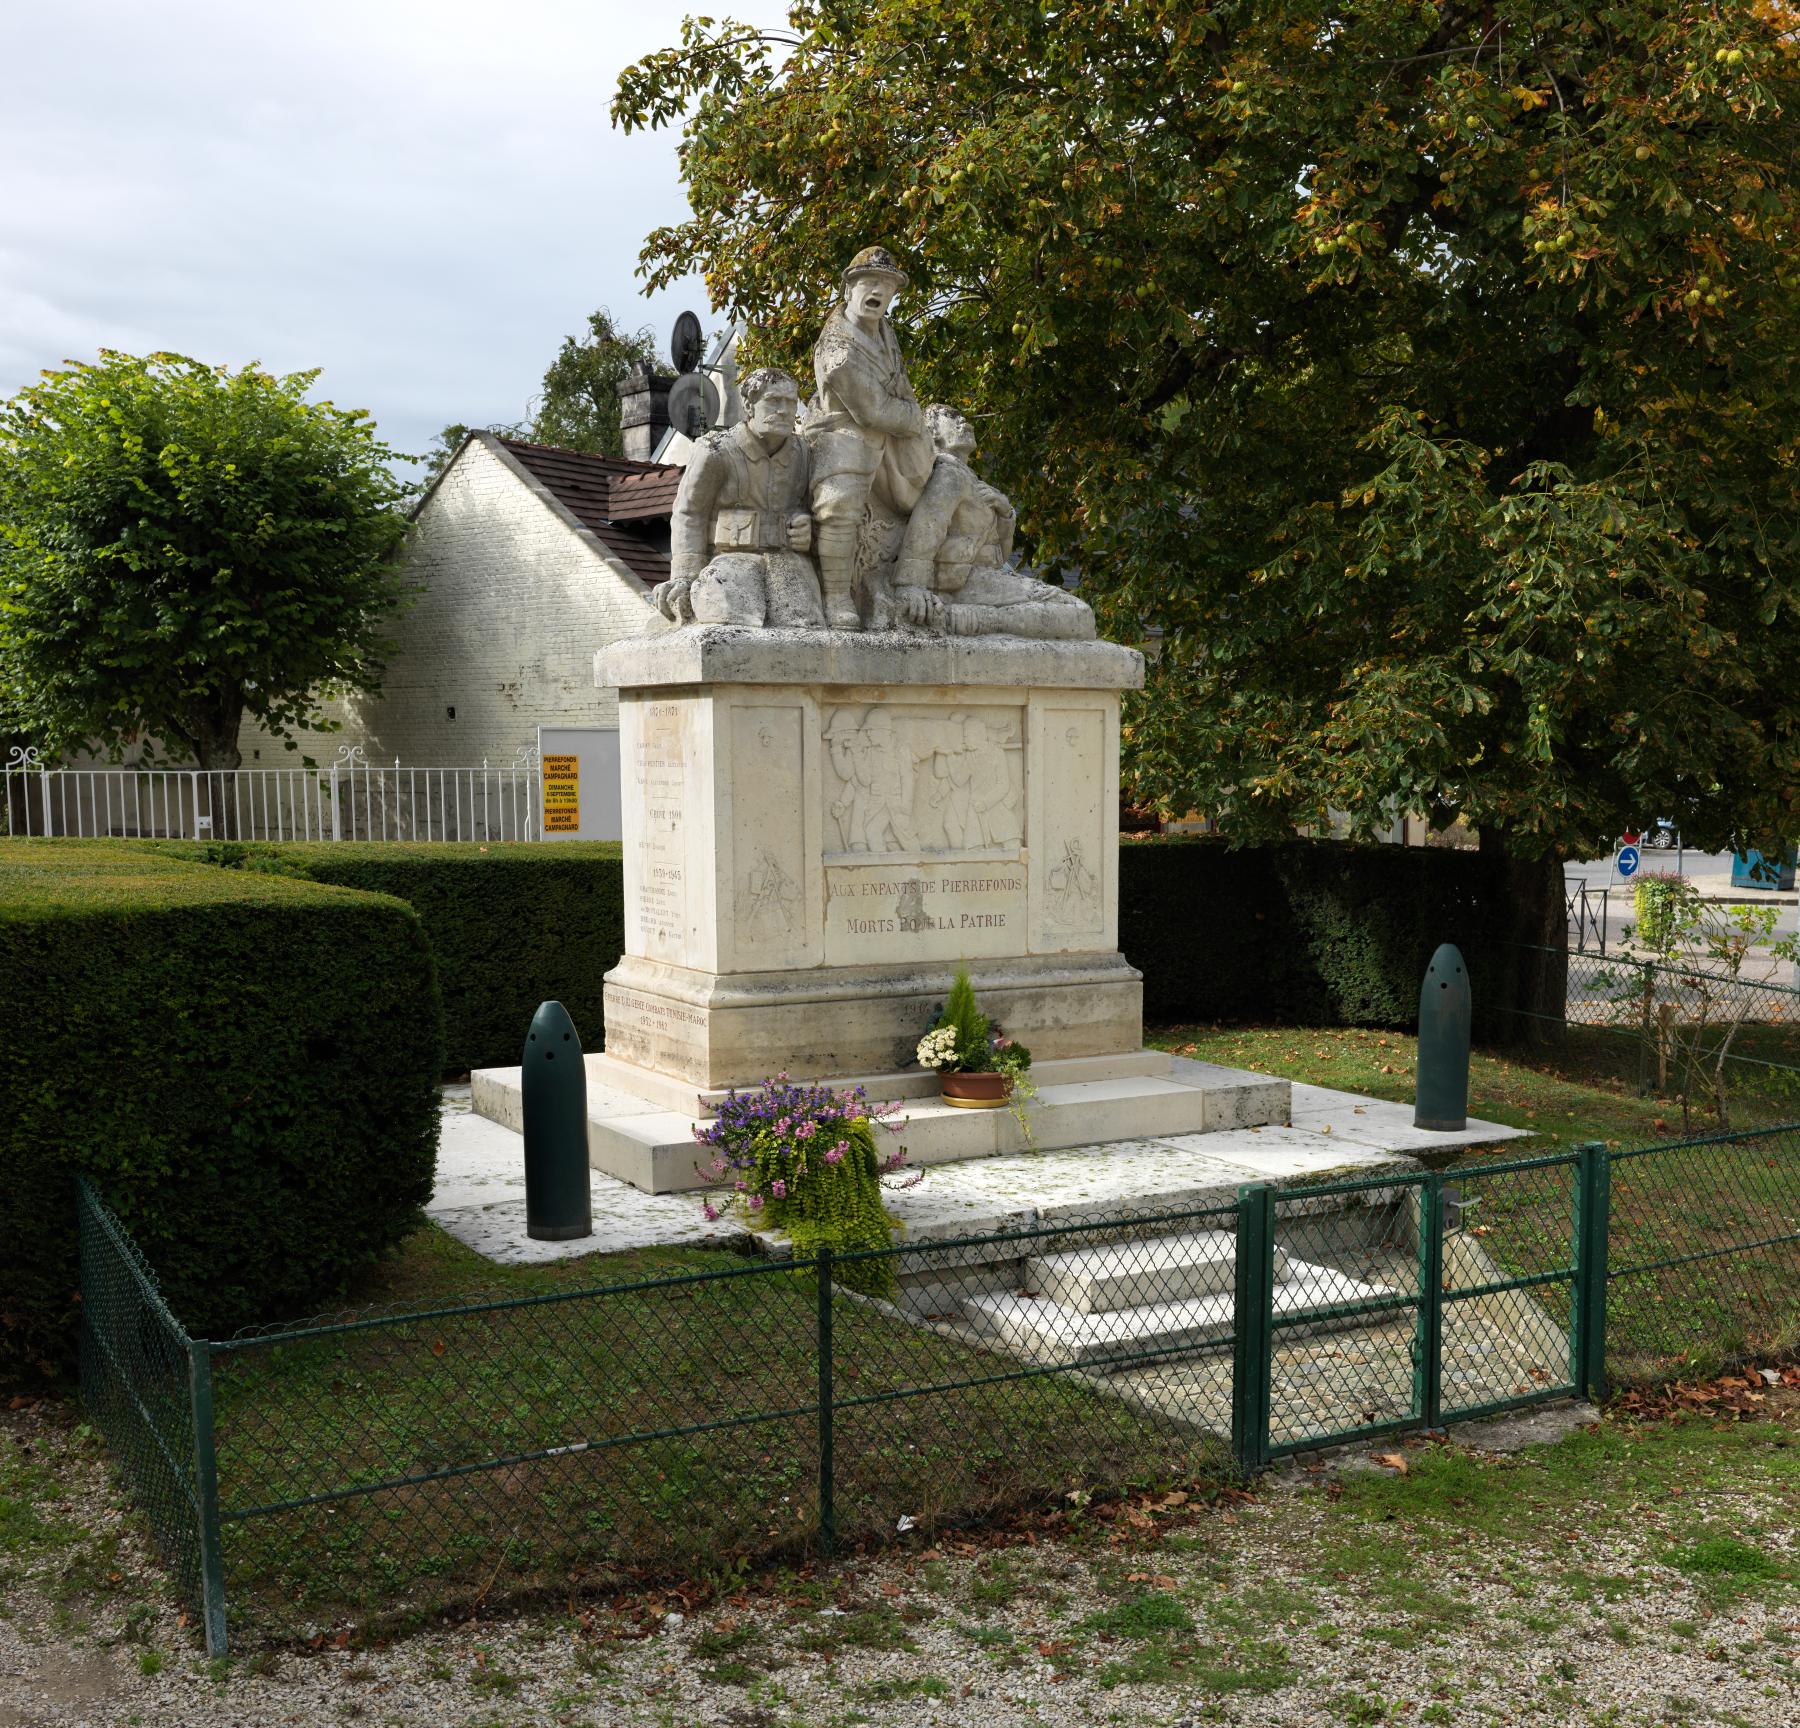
{"points": [[861, 514]]}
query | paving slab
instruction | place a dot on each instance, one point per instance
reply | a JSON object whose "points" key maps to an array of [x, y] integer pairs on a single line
{"points": [[1130, 1274], [481, 1190], [641, 1138], [1379, 1122], [497, 1231], [1048, 1331], [480, 1200]]}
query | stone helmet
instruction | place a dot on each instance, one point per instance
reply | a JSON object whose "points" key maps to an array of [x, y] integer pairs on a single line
{"points": [[875, 261]]}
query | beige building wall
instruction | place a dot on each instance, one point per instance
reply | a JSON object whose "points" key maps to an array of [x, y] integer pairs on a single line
{"points": [[516, 599]]}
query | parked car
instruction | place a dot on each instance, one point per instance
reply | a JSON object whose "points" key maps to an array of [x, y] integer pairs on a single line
{"points": [[1660, 836]]}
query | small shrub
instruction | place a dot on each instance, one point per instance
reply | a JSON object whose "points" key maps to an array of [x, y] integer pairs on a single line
{"points": [[963, 1040], [1311, 933]]}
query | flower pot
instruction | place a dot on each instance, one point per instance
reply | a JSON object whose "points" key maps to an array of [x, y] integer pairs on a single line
{"points": [[976, 1091]]}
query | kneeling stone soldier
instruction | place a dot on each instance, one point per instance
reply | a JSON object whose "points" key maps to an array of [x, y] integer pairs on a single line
{"points": [[740, 530]]}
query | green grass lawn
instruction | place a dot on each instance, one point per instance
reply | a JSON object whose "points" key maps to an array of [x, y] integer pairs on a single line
{"points": [[711, 1381], [1473, 1588], [1586, 1090]]}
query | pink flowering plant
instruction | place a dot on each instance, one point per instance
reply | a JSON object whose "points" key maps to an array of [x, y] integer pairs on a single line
{"points": [[805, 1160]]}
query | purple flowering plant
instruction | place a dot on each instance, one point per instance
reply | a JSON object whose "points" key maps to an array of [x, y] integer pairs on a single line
{"points": [[806, 1159]]}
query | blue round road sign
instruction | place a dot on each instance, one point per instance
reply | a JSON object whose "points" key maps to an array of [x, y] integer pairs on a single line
{"points": [[1628, 860]]}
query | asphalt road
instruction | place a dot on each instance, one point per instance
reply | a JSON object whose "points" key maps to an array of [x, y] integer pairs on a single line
{"points": [[1711, 871]]}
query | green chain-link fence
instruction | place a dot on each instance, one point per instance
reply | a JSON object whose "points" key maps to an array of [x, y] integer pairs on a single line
{"points": [[1689, 1032], [380, 1465], [143, 1380]]}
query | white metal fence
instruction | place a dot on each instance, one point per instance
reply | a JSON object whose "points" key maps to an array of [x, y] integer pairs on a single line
{"points": [[352, 799]]}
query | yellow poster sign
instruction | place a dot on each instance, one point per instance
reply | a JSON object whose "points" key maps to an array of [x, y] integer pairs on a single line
{"points": [[562, 794]]}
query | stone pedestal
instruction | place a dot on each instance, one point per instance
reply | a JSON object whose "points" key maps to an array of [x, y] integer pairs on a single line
{"points": [[820, 826]]}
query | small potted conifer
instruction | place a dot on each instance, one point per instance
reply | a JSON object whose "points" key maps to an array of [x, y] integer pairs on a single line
{"points": [[977, 1065]]}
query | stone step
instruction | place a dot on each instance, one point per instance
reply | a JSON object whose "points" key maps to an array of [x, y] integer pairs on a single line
{"points": [[657, 1152], [1156, 1269], [654, 1148], [687, 1097], [1038, 1330]]}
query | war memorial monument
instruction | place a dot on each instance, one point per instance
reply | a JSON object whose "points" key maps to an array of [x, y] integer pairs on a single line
{"points": [[860, 746]]}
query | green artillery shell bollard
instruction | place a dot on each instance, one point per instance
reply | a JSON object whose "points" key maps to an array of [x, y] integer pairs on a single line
{"points": [[558, 1203], [1443, 1092]]}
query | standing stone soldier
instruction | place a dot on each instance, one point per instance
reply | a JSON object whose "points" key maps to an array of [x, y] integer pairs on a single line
{"points": [[740, 529], [984, 805], [874, 811], [865, 427]]}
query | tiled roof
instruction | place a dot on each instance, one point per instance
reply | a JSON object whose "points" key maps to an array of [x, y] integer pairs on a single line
{"points": [[635, 496], [622, 502]]}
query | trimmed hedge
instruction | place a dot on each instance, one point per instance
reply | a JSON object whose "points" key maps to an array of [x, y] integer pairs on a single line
{"points": [[1311, 933], [246, 1067], [1316, 932], [512, 924]]}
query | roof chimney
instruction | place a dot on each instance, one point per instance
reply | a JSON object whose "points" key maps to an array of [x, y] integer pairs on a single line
{"points": [[644, 411]]}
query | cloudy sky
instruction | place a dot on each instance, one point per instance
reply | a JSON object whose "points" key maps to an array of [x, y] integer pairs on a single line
{"points": [[421, 199]]}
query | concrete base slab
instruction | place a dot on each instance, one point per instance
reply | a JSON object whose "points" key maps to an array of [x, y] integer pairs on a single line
{"points": [[481, 1195], [480, 1200], [668, 1092], [1084, 1102], [1321, 1109]]}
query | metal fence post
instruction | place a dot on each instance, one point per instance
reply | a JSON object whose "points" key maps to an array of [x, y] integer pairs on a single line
{"points": [[1253, 1328], [827, 1400], [1428, 1338], [1591, 1228], [206, 1497]]}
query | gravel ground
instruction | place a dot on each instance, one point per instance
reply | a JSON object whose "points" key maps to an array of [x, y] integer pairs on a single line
{"points": [[1471, 1589]]}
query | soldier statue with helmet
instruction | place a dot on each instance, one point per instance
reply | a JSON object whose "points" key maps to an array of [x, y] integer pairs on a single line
{"points": [[871, 451], [906, 535]]}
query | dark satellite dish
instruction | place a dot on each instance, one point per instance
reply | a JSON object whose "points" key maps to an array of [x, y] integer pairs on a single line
{"points": [[687, 345], [693, 404]]}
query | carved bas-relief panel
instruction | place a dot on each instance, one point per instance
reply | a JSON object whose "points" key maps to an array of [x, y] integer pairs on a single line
{"points": [[912, 781], [1075, 844]]}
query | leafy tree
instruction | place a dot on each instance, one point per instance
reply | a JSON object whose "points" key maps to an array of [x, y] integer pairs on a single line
{"points": [[1422, 378], [578, 406], [182, 546]]}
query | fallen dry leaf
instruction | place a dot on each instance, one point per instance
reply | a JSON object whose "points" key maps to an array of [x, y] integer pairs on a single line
{"points": [[1393, 1461]]}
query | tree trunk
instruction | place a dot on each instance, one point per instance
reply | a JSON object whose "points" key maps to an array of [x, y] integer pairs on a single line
{"points": [[214, 728], [1534, 927]]}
